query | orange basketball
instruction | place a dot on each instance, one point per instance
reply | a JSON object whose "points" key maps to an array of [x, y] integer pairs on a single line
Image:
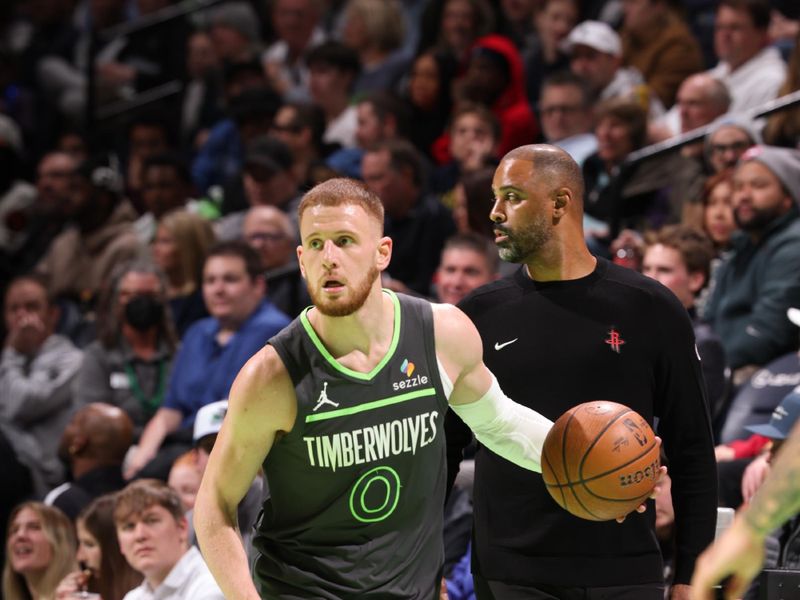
{"points": [[600, 460]]}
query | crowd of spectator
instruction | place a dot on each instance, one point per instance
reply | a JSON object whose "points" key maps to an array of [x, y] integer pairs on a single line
{"points": [[152, 161]]}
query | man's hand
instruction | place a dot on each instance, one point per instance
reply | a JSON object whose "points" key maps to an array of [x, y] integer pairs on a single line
{"points": [[660, 481], [737, 554]]}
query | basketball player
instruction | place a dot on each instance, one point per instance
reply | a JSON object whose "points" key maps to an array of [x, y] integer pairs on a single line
{"points": [[567, 328], [345, 409]]}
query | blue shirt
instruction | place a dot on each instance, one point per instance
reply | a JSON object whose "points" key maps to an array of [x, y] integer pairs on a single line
{"points": [[204, 370]]}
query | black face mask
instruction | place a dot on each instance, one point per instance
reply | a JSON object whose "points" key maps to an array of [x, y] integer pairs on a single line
{"points": [[143, 312]]}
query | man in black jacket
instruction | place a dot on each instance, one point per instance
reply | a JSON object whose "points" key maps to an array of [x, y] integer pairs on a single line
{"points": [[567, 328]]}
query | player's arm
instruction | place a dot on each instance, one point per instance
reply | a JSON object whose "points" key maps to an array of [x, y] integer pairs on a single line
{"points": [[261, 404], [739, 553], [508, 429]]}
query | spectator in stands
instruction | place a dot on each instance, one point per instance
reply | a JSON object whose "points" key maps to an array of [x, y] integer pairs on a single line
{"points": [[128, 365], [297, 29], [495, 79], [752, 70], [783, 127], [80, 260], [544, 54], [234, 32], [595, 53], [219, 159], [270, 232], [417, 223], [213, 350], [40, 551], [268, 180], [36, 372], [94, 444], [469, 202], [51, 209], [184, 478], [718, 221], [103, 570], [657, 43], [201, 101], [758, 283], [179, 249], [565, 109], [333, 69], [620, 128], [429, 98], [679, 257], [149, 134], [148, 514], [206, 428], [474, 135], [727, 141], [380, 116], [469, 261], [701, 99], [375, 30], [301, 127], [452, 26], [166, 185]]}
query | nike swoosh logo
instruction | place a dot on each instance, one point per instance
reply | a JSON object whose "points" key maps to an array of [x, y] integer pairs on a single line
{"points": [[499, 346]]}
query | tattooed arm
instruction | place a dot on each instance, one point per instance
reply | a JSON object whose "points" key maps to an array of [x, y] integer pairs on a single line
{"points": [[739, 553]]}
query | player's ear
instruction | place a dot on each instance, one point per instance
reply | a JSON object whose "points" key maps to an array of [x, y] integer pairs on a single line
{"points": [[384, 252], [561, 200], [300, 260]]}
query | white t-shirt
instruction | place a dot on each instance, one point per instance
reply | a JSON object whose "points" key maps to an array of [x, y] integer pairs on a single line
{"points": [[189, 579]]}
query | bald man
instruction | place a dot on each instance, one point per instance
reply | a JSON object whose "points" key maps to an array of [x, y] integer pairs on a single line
{"points": [[94, 445], [270, 232], [567, 328]]}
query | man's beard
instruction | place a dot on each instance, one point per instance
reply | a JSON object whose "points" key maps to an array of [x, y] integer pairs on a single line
{"points": [[759, 221], [525, 242], [344, 307]]}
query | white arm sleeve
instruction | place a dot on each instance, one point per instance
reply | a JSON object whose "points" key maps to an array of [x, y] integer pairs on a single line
{"points": [[511, 430]]}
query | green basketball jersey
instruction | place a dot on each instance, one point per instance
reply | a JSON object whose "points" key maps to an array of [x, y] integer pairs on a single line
{"points": [[357, 486]]}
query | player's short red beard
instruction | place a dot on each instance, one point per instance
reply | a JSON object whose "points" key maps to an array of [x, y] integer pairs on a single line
{"points": [[342, 307]]}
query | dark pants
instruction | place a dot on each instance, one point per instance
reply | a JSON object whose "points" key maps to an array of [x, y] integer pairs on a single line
{"points": [[496, 590]]}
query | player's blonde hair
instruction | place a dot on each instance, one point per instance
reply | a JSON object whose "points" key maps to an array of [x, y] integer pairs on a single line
{"points": [[341, 191]]}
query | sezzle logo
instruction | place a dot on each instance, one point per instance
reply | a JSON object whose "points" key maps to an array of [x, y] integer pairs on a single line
{"points": [[407, 368]]}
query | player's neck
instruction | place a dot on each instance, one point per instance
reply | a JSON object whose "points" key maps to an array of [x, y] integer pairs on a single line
{"points": [[358, 341], [561, 260]]}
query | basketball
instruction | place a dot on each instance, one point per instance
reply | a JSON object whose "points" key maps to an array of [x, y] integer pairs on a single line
{"points": [[600, 460]]}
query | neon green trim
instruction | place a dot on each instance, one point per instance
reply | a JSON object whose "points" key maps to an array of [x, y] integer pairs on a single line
{"points": [[341, 368], [343, 412]]}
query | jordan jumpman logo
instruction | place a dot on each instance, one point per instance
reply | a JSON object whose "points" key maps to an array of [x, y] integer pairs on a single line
{"points": [[323, 398]]}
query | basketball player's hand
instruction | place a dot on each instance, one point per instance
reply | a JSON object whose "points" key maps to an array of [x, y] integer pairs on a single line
{"points": [[443, 590], [662, 473]]}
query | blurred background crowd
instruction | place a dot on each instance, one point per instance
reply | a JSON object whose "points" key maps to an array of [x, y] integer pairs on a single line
{"points": [[153, 154]]}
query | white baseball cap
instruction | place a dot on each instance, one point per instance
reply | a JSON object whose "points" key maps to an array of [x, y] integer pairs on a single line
{"points": [[209, 419], [595, 34]]}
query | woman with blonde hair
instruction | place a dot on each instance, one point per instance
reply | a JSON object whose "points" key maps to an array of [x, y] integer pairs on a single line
{"points": [[179, 249], [40, 551], [375, 29], [103, 569]]}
